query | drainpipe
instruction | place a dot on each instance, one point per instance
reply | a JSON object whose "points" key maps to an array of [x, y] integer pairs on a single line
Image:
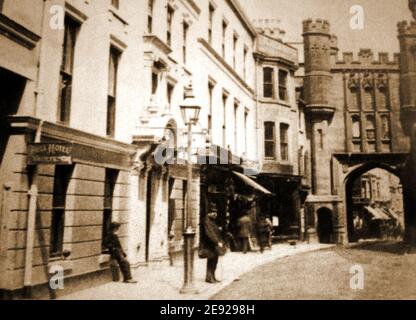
{"points": [[33, 190]]}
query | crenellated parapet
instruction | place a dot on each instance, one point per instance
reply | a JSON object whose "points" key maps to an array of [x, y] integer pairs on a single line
{"points": [[406, 28], [319, 45], [319, 26], [366, 59]]}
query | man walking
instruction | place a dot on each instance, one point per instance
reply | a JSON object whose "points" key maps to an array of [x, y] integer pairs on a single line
{"points": [[244, 225], [112, 242]]}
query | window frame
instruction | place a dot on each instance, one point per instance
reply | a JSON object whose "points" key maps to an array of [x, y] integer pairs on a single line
{"points": [[284, 141], [270, 141], [71, 29], [114, 61], [269, 84], [62, 178], [283, 86]]}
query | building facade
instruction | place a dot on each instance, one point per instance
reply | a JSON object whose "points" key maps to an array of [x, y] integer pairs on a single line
{"points": [[92, 130], [353, 125], [281, 128]]}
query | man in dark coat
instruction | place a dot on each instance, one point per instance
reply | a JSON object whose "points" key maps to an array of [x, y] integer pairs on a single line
{"points": [[244, 231], [112, 242], [210, 242]]}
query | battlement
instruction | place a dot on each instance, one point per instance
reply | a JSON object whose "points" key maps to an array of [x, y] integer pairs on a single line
{"points": [[318, 25], [269, 27], [366, 58], [406, 28]]}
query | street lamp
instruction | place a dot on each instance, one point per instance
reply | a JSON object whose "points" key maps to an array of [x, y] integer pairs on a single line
{"points": [[190, 113]]}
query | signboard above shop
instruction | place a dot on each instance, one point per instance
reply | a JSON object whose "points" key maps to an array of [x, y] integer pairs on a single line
{"points": [[50, 153]]}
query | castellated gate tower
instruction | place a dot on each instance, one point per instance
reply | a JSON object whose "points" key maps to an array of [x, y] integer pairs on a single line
{"points": [[353, 114], [407, 39]]}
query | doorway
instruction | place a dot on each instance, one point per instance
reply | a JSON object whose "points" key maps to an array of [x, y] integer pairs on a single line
{"points": [[325, 226]]}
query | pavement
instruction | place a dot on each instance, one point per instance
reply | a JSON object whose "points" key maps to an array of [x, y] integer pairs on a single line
{"points": [[163, 282]]}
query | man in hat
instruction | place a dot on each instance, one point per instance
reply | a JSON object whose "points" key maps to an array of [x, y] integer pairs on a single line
{"points": [[112, 242]]}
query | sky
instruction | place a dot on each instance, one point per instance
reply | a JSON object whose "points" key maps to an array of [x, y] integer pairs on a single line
{"points": [[380, 20]]}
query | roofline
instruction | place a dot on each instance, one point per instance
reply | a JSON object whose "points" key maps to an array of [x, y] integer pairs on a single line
{"points": [[242, 16]]}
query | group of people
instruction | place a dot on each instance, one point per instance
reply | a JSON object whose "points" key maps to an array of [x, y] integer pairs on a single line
{"points": [[212, 244]]}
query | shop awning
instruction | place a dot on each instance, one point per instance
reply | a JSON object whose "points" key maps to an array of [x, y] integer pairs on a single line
{"points": [[251, 183], [377, 213], [393, 213]]}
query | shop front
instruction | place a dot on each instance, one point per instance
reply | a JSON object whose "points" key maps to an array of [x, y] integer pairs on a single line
{"points": [[226, 189]]}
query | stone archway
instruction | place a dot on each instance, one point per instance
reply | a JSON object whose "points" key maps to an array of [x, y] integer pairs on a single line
{"points": [[354, 209]]}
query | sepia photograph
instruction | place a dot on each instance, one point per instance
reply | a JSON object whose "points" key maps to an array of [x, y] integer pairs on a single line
{"points": [[226, 151]]}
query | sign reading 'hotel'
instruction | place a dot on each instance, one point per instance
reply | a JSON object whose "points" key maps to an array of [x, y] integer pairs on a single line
{"points": [[50, 153]]}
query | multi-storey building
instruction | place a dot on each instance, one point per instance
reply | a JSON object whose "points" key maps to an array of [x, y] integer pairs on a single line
{"points": [[281, 129], [92, 99]]}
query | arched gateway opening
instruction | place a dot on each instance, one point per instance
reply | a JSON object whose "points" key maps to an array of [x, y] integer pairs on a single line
{"points": [[374, 199]]}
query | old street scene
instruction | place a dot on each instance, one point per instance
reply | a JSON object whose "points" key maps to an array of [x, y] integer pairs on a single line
{"points": [[207, 149]]}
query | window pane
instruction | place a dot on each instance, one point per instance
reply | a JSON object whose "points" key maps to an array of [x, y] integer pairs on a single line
{"points": [[282, 85], [111, 116], [61, 181], [112, 72], [269, 131], [268, 83]]}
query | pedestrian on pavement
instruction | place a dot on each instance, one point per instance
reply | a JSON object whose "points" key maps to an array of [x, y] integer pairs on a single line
{"points": [[112, 242], [244, 231], [171, 247], [262, 233], [212, 245], [270, 232]]}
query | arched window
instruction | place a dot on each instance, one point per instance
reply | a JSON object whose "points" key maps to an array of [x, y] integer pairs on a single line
{"points": [[370, 128], [268, 82], [385, 127]]}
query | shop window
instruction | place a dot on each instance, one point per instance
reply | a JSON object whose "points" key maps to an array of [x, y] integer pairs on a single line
{"points": [[67, 67], [283, 85], [284, 141], [269, 140], [60, 187], [268, 83], [109, 186]]}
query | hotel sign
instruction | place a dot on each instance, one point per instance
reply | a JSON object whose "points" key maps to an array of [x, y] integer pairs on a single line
{"points": [[50, 153]]}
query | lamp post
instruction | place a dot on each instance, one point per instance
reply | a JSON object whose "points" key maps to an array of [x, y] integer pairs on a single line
{"points": [[190, 112]]}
